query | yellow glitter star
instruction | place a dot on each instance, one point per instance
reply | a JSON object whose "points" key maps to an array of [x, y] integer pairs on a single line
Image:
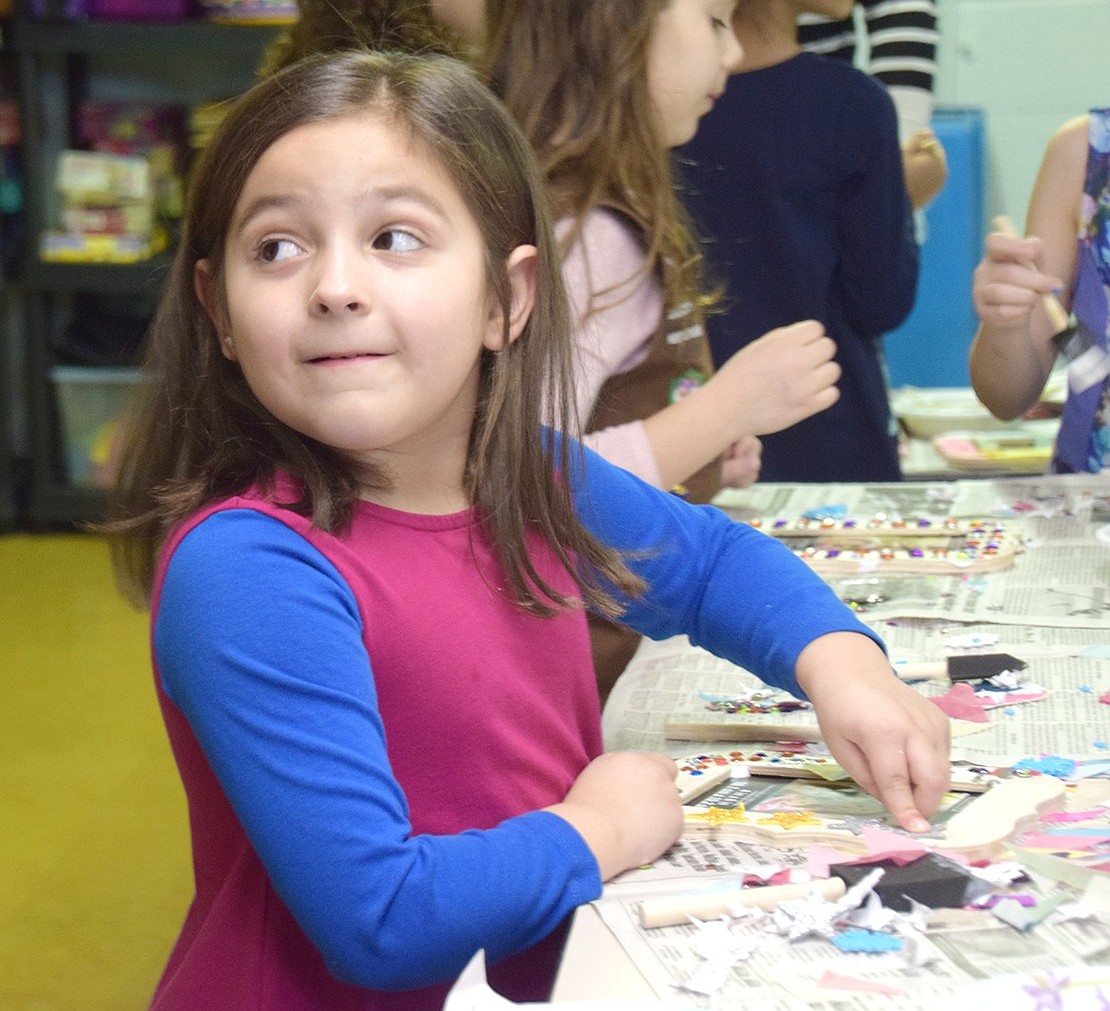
{"points": [[714, 817], [791, 819]]}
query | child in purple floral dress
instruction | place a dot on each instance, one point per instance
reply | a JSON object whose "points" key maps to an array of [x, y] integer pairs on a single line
{"points": [[1067, 252]]}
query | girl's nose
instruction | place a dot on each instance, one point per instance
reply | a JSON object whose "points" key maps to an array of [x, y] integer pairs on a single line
{"points": [[340, 289]]}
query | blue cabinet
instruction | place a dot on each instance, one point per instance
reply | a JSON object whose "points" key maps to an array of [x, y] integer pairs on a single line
{"points": [[930, 347]]}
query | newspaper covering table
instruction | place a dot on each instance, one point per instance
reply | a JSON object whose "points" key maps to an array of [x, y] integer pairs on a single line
{"points": [[1052, 609]]}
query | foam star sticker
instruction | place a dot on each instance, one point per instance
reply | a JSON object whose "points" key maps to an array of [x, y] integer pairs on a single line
{"points": [[857, 939]]}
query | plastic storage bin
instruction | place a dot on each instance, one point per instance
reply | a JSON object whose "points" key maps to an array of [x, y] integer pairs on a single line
{"points": [[930, 348], [138, 10], [249, 12], [91, 402]]}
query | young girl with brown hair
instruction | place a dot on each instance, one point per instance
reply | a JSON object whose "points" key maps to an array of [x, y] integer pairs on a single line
{"points": [[368, 556], [797, 176], [1066, 251], [603, 90]]}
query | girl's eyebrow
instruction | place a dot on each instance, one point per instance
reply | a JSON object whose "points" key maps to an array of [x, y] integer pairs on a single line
{"points": [[379, 194], [388, 194], [258, 206]]}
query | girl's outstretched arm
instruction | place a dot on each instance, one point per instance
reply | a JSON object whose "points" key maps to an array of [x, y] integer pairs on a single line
{"points": [[745, 597]]}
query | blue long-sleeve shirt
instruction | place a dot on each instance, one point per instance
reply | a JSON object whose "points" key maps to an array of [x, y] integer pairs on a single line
{"points": [[366, 730]]}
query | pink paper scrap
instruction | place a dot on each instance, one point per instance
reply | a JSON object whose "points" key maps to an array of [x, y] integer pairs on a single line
{"points": [[1061, 841], [1059, 816], [882, 845], [834, 981], [818, 859], [961, 703]]}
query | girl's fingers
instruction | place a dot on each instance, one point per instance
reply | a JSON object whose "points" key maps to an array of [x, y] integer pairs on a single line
{"points": [[908, 776], [894, 786]]}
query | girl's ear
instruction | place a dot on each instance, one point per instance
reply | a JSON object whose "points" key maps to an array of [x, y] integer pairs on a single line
{"points": [[521, 269], [204, 287]]}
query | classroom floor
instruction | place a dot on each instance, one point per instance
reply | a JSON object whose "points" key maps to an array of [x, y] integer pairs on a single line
{"points": [[94, 863]]}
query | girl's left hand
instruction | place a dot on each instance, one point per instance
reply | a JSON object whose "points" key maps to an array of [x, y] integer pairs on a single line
{"points": [[741, 462], [888, 737]]}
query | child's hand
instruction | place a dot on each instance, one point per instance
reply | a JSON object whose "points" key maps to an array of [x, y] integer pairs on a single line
{"points": [[625, 805], [889, 738], [781, 378], [1007, 283], [925, 166], [741, 462]]}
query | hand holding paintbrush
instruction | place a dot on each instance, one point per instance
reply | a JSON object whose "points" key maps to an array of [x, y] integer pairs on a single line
{"points": [[1013, 352], [1056, 313], [1016, 347], [1087, 362]]}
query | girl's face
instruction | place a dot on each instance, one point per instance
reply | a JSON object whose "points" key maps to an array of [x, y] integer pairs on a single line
{"points": [[691, 53], [356, 294]]}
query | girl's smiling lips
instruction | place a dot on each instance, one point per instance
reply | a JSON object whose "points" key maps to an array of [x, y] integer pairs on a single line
{"points": [[339, 358]]}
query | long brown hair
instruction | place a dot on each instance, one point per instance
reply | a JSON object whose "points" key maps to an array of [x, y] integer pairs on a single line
{"points": [[199, 434], [574, 74]]}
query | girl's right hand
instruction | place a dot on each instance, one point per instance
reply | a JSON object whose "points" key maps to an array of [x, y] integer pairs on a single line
{"points": [[925, 166], [625, 805], [780, 378], [1007, 283]]}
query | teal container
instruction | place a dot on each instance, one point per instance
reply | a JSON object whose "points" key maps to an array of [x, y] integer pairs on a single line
{"points": [[930, 347]]}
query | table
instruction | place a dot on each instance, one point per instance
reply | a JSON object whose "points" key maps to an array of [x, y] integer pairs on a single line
{"points": [[1052, 608]]}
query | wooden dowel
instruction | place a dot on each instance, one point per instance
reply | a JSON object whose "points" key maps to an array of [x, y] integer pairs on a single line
{"points": [[741, 732], [926, 670], [669, 910]]}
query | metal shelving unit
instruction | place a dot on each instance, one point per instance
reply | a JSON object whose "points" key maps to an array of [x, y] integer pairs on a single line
{"points": [[7, 446], [56, 62]]}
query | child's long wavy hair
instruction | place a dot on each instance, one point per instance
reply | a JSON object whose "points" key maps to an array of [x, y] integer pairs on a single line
{"points": [[574, 73], [198, 434]]}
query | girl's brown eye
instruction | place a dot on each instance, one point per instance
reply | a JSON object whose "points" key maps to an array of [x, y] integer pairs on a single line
{"points": [[276, 249], [396, 240]]}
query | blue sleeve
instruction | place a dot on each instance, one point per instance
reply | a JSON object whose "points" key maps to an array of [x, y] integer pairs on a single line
{"points": [[877, 256], [293, 734], [732, 589]]}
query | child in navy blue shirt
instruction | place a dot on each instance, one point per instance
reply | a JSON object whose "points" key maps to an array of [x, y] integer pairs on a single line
{"points": [[795, 179]]}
